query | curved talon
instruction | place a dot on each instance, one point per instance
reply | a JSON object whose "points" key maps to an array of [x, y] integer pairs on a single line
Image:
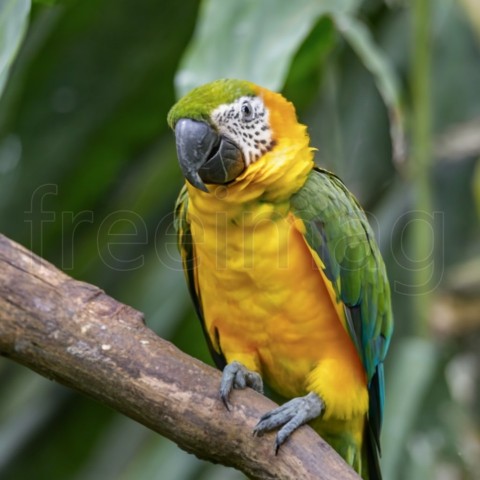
{"points": [[236, 375], [290, 416]]}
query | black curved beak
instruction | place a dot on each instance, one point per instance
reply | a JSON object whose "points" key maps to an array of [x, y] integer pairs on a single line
{"points": [[205, 156]]}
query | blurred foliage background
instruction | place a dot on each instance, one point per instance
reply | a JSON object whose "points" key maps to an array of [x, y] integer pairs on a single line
{"points": [[390, 91]]}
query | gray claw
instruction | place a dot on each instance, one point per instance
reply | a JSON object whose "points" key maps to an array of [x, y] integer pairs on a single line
{"points": [[290, 416], [235, 375]]}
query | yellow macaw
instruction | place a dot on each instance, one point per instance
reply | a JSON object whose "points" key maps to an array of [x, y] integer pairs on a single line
{"points": [[282, 267]]}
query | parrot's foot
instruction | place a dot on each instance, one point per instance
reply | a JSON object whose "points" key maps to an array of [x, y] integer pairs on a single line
{"points": [[290, 416], [235, 375]]}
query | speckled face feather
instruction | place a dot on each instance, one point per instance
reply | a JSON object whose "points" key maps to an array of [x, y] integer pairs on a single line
{"points": [[245, 121]]}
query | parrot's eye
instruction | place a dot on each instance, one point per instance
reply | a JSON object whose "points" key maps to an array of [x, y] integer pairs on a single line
{"points": [[248, 114]]}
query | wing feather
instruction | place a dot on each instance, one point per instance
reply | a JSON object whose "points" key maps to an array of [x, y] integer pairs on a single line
{"points": [[187, 252], [338, 230]]}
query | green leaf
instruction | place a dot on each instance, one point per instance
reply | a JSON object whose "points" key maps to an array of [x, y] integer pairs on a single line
{"points": [[378, 64], [256, 51], [13, 23], [250, 39], [414, 364]]}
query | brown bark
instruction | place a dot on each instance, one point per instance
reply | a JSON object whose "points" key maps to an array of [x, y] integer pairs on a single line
{"points": [[75, 334]]}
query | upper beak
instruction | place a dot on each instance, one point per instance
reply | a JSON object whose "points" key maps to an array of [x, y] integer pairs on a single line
{"points": [[206, 156]]}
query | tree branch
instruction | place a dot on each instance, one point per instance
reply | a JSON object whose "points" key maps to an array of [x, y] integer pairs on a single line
{"points": [[75, 334]]}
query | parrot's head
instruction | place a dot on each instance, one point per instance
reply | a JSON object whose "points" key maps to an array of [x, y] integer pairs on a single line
{"points": [[224, 127]]}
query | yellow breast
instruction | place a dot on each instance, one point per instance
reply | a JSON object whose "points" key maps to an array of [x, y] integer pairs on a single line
{"points": [[269, 305]]}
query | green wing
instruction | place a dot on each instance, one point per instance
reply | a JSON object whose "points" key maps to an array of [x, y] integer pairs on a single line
{"points": [[187, 252], [338, 230]]}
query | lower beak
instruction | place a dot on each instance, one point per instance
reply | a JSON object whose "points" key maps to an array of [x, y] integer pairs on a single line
{"points": [[205, 156]]}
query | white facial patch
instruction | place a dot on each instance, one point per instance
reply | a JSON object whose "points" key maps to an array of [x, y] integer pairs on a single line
{"points": [[245, 122]]}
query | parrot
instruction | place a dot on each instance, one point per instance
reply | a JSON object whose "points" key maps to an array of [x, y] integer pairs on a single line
{"points": [[282, 268]]}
